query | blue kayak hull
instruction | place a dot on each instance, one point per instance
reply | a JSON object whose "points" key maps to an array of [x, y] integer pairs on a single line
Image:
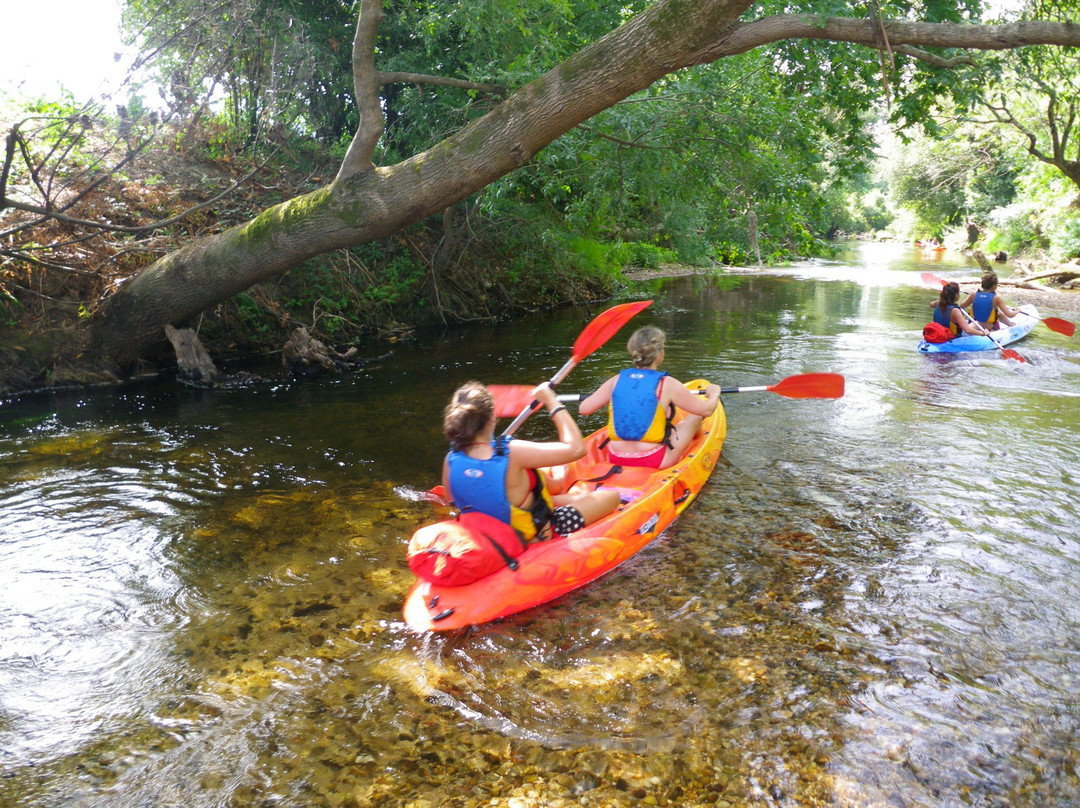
{"points": [[1022, 325]]}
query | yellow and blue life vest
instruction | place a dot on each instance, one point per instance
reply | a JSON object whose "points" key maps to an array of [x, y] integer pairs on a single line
{"points": [[945, 318], [635, 412], [983, 308], [480, 485]]}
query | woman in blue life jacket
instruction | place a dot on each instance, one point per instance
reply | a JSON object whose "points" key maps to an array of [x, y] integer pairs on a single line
{"points": [[950, 315], [642, 402], [500, 477], [987, 306]]}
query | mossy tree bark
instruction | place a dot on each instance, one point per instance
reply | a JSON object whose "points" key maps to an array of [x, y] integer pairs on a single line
{"points": [[366, 202]]}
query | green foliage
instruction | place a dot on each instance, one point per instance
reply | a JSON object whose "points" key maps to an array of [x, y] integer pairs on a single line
{"points": [[960, 174], [875, 212], [678, 166], [731, 253], [1032, 94], [1014, 228], [780, 131], [590, 256], [63, 107], [267, 69], [625, 254], [398, 279], [10, 308], [928, 179], [993, 188], [1065, 238], [861, 213], [251, 313]]}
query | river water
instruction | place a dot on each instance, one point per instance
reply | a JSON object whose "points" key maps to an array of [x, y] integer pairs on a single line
{"points": [[875, 600]]}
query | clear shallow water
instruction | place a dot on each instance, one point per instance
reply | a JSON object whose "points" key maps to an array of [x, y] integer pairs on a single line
{"points": [[875, 601]]}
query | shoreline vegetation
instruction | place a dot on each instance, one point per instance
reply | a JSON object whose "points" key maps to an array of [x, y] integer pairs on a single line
{"points": [[1022, 285], [339, 311]]}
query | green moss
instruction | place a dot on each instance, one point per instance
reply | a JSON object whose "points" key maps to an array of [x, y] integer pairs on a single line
{"points": [[280, 219]]}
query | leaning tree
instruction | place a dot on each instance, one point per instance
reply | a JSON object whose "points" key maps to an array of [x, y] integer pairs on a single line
{"points": [[365, 202]]}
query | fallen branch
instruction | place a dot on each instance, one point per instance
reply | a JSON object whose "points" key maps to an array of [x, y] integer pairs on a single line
{"points": [[302, 354], [1061, 274]]}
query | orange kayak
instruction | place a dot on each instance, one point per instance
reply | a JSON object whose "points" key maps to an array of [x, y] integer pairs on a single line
{"points": [[653, 498]]}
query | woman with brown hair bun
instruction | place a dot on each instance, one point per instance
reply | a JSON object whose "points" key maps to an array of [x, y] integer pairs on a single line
{"points": [[950, 315], [500, 476]]}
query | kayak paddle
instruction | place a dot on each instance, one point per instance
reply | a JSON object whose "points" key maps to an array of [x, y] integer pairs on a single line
{"points": [[1006, 353], [510, 398], [804, 385], [1053, 323], [596, 333]]}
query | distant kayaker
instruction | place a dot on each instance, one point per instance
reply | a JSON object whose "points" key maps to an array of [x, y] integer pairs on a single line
{"points": [[642, 403], [987, 306], [500, 477], [950, 315]]}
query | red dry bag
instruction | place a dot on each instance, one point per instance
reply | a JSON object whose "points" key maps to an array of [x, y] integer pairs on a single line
{"points": [[462, 550], [936, 332]]}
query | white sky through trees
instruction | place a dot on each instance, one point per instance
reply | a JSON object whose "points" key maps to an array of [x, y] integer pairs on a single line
{"points": [[49, 43]]}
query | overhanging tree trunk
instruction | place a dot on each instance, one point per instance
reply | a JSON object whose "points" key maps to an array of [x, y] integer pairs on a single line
{"points": [[365, 202]]}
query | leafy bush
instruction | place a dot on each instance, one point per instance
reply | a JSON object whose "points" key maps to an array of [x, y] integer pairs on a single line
{"points": [[1013, 228], [1065, 238], [639, 254]]}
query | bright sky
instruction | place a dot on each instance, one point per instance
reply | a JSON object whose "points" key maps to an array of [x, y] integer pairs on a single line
{"points": [[48, 43]]}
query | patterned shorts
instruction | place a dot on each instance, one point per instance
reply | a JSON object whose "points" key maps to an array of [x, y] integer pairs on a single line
{"points": [[566, 519]]}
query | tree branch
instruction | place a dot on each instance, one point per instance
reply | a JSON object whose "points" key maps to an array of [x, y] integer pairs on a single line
{"points": [[366, 89], [441, 81], [933, 58], [49, 213], [900, 33]]}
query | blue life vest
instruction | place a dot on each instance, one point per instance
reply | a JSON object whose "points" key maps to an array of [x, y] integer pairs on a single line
{"points": [[983, 308], [480, 485], [635, 412], [945, 318]]}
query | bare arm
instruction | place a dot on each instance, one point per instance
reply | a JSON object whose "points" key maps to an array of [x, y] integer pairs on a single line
{"points": [[570, 445], [967, 301], [1004, 307], [965, 325], [598, 399], [686, 400]]}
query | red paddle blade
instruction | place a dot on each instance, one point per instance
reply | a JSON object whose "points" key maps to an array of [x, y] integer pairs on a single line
{"points": [[930, 279], [510, 399], [810, 385], [1009, 354], [1059, 325], [604, 326]]}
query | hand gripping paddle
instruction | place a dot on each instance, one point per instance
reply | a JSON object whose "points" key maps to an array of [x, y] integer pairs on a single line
{"points": [[600, 330]]}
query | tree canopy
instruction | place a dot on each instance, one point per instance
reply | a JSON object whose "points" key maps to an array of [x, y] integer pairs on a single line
{"points": [[662, 123]]}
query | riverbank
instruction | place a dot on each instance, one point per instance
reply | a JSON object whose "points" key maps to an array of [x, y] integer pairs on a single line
{"points": [[1014, 288]]}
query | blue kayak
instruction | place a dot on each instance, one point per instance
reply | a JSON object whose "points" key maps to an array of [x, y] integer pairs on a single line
{"points": [[1026, 320]]}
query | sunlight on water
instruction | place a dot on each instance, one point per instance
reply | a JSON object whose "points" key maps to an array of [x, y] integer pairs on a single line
{"points": [[875, 596]]}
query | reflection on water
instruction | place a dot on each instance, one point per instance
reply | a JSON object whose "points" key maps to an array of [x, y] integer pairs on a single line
{"points": [[873, 602]]}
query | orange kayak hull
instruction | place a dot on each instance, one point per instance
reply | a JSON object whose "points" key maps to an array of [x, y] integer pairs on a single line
{"points": [[549, 569]]}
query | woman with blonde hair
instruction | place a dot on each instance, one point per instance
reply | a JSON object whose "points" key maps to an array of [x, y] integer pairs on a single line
{"points": [[642, 403], [500, 476]]}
